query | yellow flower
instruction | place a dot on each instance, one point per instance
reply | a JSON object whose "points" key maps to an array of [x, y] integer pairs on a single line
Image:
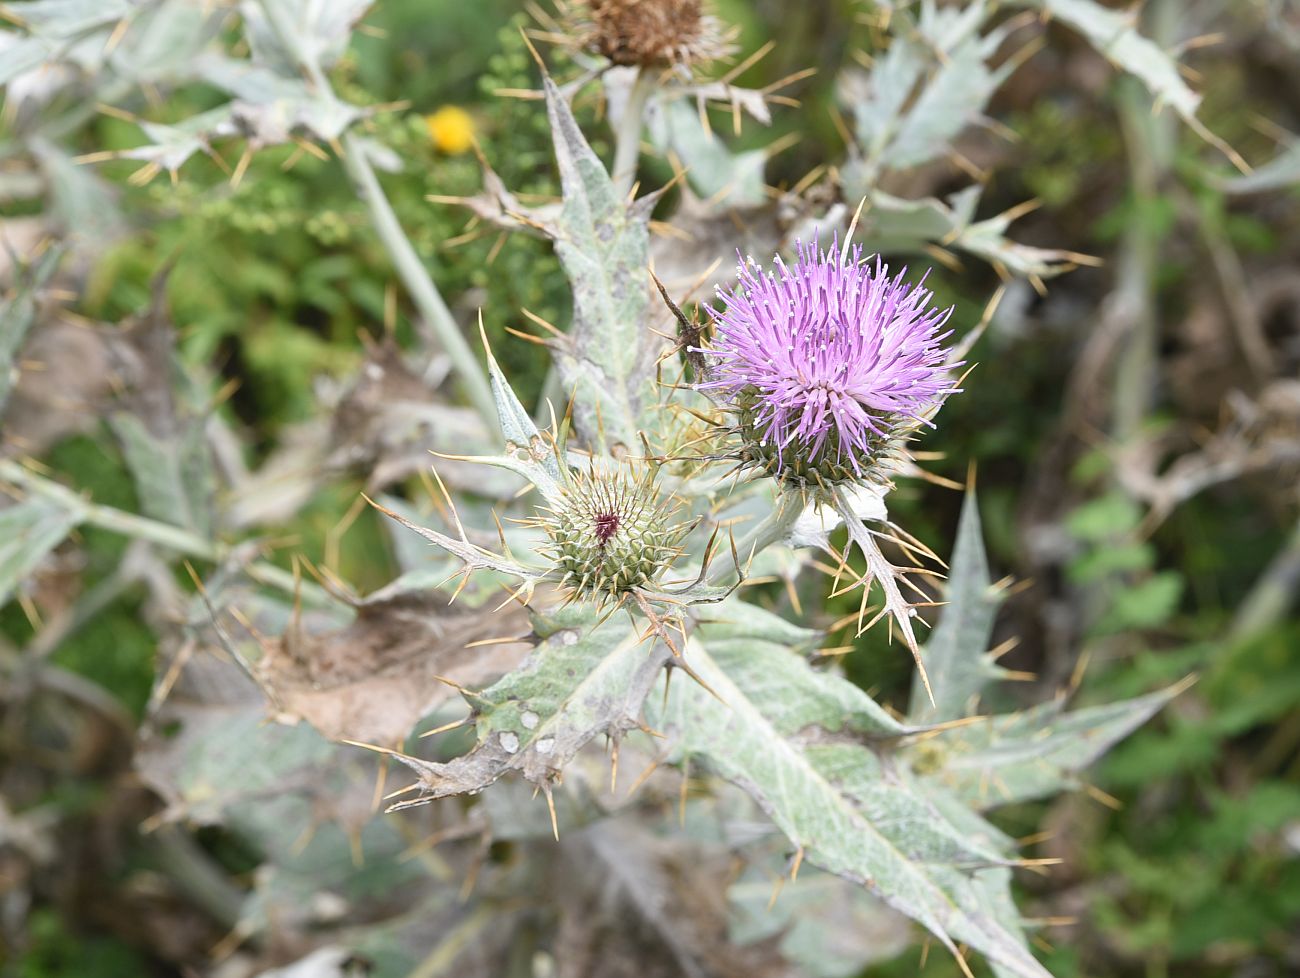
{"points": [[451, 129]]}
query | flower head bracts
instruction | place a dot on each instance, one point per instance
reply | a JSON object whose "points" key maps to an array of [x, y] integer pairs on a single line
{"points": [[648, 33], [611, 532], [830, 363]]}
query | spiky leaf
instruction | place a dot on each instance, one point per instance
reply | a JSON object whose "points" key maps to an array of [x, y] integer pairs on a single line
{"points": [[1114, 33], [526, 452], [954, 657], [581, 681], [29, 531], [793, 695], [842, 807], [714, 171], [998, 760], [160, 423], [602, 241]]}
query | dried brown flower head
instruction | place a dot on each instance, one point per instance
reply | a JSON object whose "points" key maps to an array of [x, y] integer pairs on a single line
{"points": [[649, 33]]}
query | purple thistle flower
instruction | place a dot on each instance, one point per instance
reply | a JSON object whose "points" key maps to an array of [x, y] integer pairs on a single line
{"points": [[828, 358]]}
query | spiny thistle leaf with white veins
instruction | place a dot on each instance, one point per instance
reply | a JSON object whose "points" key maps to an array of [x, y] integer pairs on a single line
{"points": [[583, 679], [603, 240], [839, 804], [1000, 760]]}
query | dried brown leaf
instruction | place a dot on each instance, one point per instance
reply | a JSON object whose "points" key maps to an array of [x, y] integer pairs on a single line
{"points": [[397, 661]]}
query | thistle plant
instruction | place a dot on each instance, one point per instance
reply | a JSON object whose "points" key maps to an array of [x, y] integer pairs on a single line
{"points": [[815, 379], [671, 496]]}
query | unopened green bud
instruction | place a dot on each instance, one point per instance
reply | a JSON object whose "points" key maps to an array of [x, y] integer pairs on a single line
{"points": [[611, 533]]}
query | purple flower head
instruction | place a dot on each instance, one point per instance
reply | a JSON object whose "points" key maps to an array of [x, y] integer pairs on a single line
{"points": [[828, 359]]}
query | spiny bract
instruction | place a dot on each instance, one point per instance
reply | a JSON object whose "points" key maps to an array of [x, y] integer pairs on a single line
{"points": [[830, 365], [611, 532]]}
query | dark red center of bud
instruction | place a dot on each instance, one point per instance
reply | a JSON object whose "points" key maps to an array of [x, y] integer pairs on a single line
{"points": [[606, 526]]}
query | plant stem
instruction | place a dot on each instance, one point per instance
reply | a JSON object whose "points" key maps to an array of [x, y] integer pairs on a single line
{"points": [[425, 294], [152, 531], [769, 530], [627, 145], [197, 874], [428, 300]]}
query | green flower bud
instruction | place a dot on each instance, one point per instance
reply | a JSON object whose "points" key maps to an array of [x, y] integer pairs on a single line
{"points": [[612, 532]]}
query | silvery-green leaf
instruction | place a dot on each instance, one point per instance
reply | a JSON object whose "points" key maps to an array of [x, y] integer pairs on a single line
{"points": [[988, 240], [987, 889], [65, 18], [998, 760], [172, 144], [19, 55], [925, 89], [837, 806], [172, 475], [714, 171], [901, 812], [956, 657], [472, 556], [892, 225], [85, 204], [794, 696], [28, 531], [1115, 35], [751, 101], [275, 122], [526, 451], [18, 314], [247, 81], [160, 423], [270, 108], [164, 40], [945, 28], [945, 107], [425, 567], [602, 241], [950, 100], [878, 99], [881, 572], [74, 31], [581, 681], [737, 620], [320, 30], [1277, 174]]}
